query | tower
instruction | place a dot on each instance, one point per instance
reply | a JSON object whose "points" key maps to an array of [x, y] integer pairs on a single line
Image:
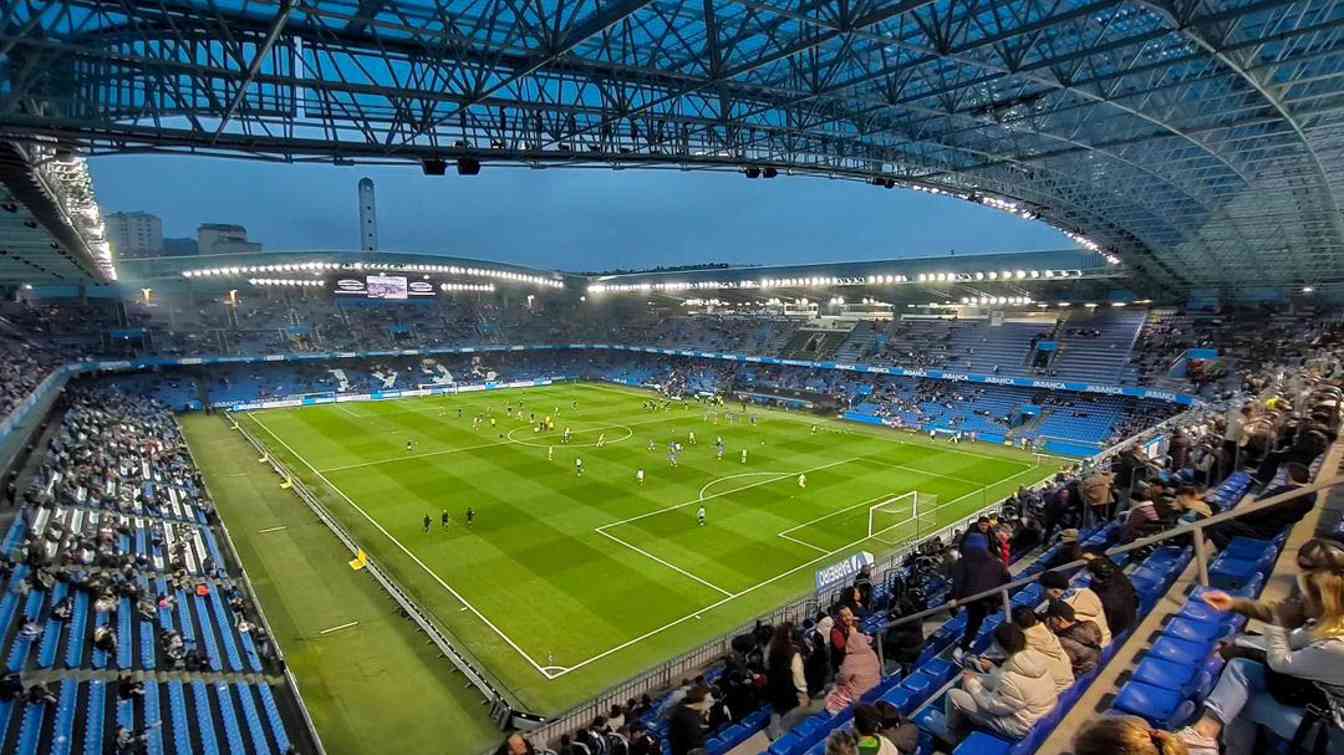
{"points": [[368, 217]]}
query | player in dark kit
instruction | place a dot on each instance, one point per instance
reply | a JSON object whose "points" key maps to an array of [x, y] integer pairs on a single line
{"points": [[427, 522], [444, 517], [471, 515]]}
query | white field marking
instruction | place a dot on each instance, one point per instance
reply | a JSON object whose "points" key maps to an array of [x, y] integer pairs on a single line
{"points": [[270, 529], [694, 501], [592, 444], [494, 444], [669, 565], [793, 539], [403, 548], [717, 480], [858, 429], [838, 512], [329, 630], [346, 409], [696, 614]]}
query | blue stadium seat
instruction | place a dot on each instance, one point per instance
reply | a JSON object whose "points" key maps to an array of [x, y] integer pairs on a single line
{"points": [[205, 724], [1163, 708], [153, 718], [177, 703], [62, 733], [1232, 573], [1183, 652], [93, 718], [1165, 674], [1195, 631], [980, 743]]}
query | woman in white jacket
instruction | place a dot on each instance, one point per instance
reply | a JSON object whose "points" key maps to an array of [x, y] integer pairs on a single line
{"points": [[1009, 700], [1042, 640]]}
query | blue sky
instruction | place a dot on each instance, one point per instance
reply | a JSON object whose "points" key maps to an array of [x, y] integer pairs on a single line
{"points": [[568, 219]]}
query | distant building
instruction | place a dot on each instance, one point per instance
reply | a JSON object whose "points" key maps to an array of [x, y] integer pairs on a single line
{"points": [[134, 234], [368, 217], [222, 238], [180, 247]]}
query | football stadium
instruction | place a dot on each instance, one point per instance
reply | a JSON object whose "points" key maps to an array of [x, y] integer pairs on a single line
{"points": [[701, 433]]}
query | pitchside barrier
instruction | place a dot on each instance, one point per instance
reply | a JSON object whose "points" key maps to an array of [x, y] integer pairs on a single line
{"points": [[503, 705]]}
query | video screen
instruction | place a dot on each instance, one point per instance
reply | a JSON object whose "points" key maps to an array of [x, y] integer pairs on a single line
{"points": [[380, 287], [386, 286]]}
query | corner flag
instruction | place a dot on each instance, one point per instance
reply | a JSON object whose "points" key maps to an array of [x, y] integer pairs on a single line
{"points": [[361, 560]]}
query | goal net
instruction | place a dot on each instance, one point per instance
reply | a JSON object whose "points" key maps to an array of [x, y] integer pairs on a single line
{"points": [[904, 517]]}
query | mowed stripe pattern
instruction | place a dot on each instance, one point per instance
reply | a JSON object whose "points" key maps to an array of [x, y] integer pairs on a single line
{"points": [[534, 562]]}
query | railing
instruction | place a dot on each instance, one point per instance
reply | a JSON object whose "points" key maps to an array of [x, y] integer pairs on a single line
{"points": [[667, 674], [501, 704], [1195, 531], [232, 552]]}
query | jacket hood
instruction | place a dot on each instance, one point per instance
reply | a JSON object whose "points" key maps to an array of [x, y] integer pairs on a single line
{"points": [[1042, 640], [975, 542]]}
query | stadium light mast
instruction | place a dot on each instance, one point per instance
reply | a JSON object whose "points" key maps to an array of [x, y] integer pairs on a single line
{"points": [[368, 217]]}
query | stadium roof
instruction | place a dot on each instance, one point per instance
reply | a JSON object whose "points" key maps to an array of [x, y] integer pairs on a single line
{"points": [[1198, 140], [50, 227]]}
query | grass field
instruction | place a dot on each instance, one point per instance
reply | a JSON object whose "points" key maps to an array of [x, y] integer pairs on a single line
{"points": [[566, 584]]}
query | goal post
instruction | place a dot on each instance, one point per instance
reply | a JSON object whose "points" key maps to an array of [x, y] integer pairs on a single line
{"points": [[901, 518]]}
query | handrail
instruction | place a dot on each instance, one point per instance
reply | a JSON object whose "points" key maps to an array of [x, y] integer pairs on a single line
{"points": [[1195, 529]]}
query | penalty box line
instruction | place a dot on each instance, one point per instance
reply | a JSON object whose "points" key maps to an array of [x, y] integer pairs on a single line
{"points": [[695, 614], [404, 549]]}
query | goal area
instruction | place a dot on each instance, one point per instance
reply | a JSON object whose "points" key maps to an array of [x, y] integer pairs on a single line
{"points": [[902, 518]]}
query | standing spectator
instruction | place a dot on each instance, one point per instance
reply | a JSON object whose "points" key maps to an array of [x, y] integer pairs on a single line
{"points": [[674, 699], [786, 683], [844, 622], [976, 572]]}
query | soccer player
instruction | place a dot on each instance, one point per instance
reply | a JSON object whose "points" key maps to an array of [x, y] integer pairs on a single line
{"points": [[802, 480], [691, 438], [444, 518], [719, 453], [601, 439], [652, 446], [492, 422], [744, 456], [672, 456], [578, 467], [410, 446], [814, 429], [550, 453], [639, 475], [701, 516], [459, 412], [565, 439], [471, 515], [427, 522]]}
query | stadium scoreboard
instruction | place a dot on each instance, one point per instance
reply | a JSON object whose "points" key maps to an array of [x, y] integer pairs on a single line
{"points": [[380, 287]]}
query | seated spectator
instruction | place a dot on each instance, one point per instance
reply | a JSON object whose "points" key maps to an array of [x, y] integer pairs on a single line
{"points": [[1119, 599], [1081, 640], [1130, 735], [896, 728], [1009, 700], [1042, 640], [688, 722], [860, 672], [867, 726], [1190, 504], [1085, 603], [641, 741], [842, 742], [1301, 667]]}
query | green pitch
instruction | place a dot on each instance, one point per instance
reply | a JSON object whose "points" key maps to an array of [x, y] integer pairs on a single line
{"points": [[568, 583]]}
